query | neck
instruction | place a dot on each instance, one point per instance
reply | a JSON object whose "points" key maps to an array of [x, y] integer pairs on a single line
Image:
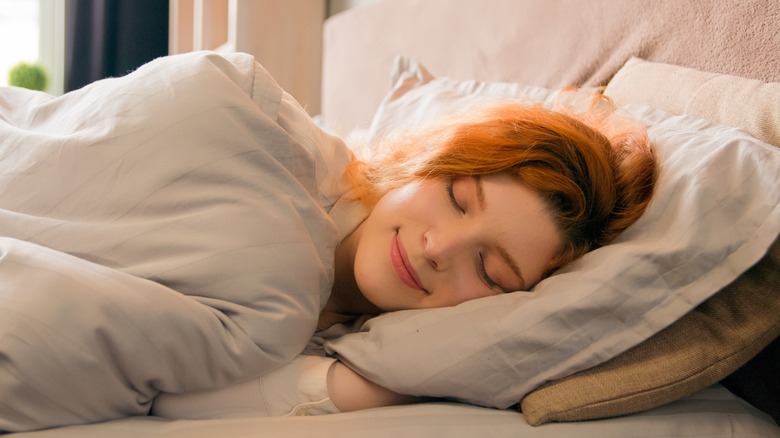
{"points": [[346, 302]]}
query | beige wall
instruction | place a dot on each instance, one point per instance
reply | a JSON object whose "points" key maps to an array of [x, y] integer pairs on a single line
{"points": [[336, 6], [284, 35]]}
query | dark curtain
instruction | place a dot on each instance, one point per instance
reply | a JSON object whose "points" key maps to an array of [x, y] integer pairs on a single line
{"points": [[105, 38]]}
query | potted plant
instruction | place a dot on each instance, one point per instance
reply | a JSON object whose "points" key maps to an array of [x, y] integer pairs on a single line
{"points": [[32, 76]]}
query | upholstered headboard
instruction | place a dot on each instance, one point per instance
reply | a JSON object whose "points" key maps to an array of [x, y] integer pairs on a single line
{"points": [[549, 43]]}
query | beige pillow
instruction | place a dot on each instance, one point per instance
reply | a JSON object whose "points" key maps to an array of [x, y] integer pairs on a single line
{"points": [[703, 347], [751, 105]]}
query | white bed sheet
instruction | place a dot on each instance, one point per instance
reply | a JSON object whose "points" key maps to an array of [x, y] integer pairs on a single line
{"points": [[712, 413]]}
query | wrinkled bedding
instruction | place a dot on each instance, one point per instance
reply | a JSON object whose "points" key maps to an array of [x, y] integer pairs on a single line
{"points": [[150, 225], [173, 230]]}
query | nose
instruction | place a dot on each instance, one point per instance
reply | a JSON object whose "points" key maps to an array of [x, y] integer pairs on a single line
{"points": [[441, 246]]}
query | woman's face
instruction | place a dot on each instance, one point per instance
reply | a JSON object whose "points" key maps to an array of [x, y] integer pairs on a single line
{"points": [[435, 243]]}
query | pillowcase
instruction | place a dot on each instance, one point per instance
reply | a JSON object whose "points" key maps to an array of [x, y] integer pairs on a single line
{"points": [[748, 104], [418, 98], [495, 350]]}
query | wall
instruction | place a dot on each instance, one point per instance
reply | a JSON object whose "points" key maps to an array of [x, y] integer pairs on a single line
{"points": [[284, 35], [336, 6]]}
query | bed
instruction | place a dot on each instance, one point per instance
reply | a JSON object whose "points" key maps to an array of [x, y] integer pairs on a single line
{"points": [[703, 75]]}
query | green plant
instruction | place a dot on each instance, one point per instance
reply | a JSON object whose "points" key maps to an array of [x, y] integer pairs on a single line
{"points": [[32, 76]]}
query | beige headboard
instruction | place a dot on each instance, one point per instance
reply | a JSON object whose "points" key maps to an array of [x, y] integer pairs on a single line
{"points": [[550, 43]]}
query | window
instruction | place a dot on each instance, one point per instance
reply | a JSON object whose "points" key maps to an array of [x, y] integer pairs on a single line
{"points": [[32, 31]]}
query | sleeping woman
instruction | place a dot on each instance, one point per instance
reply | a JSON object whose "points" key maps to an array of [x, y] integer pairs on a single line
{"points": [[171, 240], [484, 203]]}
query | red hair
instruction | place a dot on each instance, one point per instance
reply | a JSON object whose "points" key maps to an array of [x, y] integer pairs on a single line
{"points": [[596, 176]]}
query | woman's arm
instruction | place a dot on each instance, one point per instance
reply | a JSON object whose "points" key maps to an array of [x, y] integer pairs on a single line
{"points": [[309, 385], [349, 391]]}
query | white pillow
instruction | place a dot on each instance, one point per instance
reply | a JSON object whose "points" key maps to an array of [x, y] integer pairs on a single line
{"points": [[715, 213], [417, 97]]}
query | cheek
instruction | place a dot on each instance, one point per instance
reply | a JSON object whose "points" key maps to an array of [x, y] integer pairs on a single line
{"points": [[399, 198], [367, 264], [373, 270], [367, 281], [414, 201], [464, 286]]}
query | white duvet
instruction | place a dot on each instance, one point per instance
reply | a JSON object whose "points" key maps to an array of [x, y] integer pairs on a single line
{"points": [[164, 231]]}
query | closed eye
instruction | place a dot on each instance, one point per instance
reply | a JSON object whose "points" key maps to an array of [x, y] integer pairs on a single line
{"points": [[485, 277], [480, 262], [453, 200]]}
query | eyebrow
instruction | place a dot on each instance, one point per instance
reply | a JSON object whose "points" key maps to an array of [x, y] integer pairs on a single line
{"points": [[502, 252]]}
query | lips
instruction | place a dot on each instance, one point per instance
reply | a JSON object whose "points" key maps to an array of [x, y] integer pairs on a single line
{"points": [[402, 267]]}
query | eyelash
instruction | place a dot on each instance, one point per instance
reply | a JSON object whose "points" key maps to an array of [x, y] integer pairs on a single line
{"points": [[485, 277], [453, 201], [482, 271]]}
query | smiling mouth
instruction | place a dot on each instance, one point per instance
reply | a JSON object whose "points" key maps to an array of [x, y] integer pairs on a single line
{"points": [[402, 266]]}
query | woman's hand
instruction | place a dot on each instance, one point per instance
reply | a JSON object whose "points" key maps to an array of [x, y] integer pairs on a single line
{"points": [[349, 391]]}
